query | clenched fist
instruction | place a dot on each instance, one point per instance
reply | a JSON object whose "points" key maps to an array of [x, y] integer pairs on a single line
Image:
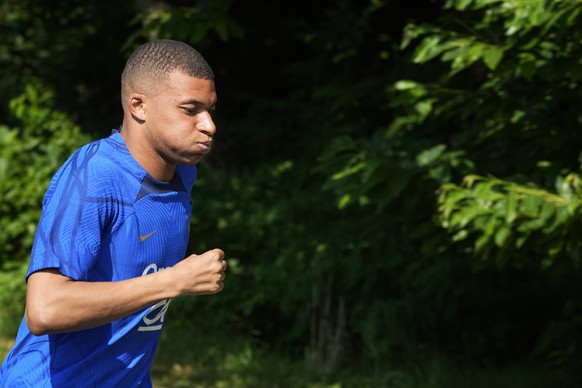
{"points": [[201, 274]]}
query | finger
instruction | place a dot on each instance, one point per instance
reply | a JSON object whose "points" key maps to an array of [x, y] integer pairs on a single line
{"points": [[219, 253], [224, 265]]}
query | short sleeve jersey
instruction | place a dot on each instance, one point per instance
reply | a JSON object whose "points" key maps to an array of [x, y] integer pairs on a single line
{"points": [[103, 219]]}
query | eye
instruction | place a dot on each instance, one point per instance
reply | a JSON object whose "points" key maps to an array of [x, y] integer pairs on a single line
{"points": [[190, 111], [193, 111]]}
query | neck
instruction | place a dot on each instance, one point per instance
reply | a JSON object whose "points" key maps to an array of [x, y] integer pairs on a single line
{"points": [[143, 152]]}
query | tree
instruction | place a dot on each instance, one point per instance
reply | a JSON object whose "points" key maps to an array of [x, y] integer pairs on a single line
{"points": [[386, 181], [490, 99]]}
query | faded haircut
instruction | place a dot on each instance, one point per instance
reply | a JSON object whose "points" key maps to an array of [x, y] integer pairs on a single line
{"points": [[151, 63]]}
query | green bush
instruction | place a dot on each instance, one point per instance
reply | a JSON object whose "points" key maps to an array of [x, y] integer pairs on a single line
{"points": [[29, 155], [12, 298]]}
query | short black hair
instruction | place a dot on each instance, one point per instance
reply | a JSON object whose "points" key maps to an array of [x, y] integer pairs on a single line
{"points": [[153, 61]]}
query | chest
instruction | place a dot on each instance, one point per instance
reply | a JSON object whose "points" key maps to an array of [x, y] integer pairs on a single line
{"points": [[152, 237]]}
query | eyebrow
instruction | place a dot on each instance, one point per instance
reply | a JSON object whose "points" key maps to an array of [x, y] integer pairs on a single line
{"points": [[191, 102], [195, 102]]}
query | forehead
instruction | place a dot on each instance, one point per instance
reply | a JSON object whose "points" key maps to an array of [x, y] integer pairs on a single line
{"points": [[181, 87]]}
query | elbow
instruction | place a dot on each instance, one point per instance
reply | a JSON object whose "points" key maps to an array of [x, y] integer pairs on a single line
{"points": [[43, 294], [38, 321]]}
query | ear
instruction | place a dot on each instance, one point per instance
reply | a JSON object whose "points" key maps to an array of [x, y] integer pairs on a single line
{"points": [[136, 105]]}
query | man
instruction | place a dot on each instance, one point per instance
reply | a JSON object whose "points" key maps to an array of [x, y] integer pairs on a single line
{"points": [[109, 250]]}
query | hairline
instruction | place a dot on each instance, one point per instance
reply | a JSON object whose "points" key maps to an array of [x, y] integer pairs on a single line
{"points": [[146, 73]]}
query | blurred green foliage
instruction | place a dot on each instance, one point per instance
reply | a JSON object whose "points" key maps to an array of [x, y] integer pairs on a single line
{"points": [[29, 155], [388, 180]]}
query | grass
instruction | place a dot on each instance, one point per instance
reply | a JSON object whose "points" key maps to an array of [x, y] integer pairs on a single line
{"points": [[282, 376], [195, 359], [199, 360], [440, 372]]}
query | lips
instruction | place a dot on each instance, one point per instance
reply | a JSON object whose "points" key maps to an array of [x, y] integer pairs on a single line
{"points": [[206, 146]]}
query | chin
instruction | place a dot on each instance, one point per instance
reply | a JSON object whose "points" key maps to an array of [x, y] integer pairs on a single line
{"points": [[195, 160]]}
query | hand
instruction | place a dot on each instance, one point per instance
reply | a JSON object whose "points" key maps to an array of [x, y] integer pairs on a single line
{"points": [[201, 274]]}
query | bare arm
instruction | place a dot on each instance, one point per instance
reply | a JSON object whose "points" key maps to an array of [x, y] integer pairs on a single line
{"points": [[56, 303]]}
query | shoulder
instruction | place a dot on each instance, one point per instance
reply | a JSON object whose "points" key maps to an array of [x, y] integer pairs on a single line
{"points": [[100, 168]]}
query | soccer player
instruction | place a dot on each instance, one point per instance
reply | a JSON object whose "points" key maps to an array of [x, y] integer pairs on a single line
{"points": [[109, 251]]}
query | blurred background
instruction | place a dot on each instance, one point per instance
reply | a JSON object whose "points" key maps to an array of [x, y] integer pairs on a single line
{"points": [[396, 185]]}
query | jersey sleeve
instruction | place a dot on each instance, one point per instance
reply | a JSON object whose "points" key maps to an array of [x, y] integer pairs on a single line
{"points": [[77, 210]]}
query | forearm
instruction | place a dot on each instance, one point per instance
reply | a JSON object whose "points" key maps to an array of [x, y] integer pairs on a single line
{"points": [[56, 303]]}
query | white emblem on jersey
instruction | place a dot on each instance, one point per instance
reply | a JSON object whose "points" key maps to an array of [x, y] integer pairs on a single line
{"points": [[154, 319]]}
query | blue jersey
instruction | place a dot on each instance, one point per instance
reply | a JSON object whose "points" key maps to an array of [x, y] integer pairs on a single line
{"points": [[103, 219]]}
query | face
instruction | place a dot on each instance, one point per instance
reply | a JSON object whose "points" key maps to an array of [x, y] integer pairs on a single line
{"points": [[178, 120]]}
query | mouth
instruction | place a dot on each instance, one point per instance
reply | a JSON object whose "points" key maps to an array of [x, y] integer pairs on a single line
{"points": [[205, 146]]}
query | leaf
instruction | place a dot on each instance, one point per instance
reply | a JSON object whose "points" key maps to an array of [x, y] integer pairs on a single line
{"points": [[461, 4], [454, 53], [481, 243], [428, 156], [461, 235], [482, 190], [511, 207], [501, 235], [406, 85], [530, 206], [492, 55], [351, 170], [344, 201], [431, 47]]}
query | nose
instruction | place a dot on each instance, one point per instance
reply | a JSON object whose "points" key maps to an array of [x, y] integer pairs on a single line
{"points": [[205, 124]]}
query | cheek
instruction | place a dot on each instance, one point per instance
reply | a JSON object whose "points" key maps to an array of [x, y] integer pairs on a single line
{"points": [[170, 126], [174, 127], [180, 133]]}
